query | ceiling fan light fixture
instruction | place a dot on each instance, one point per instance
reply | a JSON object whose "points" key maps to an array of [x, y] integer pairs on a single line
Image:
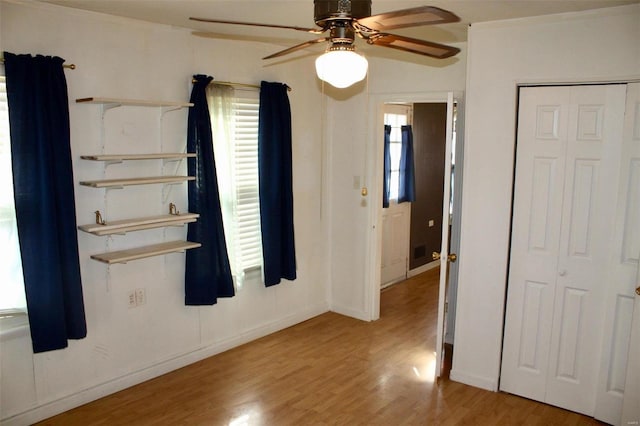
{"points": [[341, 67]]}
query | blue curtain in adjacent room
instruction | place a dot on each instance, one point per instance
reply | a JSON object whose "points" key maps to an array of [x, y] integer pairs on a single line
{"points": [[208, 273], [44, 199], [386, 179], [276, 185], [406, 180]]}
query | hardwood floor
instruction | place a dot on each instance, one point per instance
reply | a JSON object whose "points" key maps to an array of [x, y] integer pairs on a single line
{"points": [[330, 370]]}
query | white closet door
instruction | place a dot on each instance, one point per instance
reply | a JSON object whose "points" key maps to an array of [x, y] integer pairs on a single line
{"points": [[623, 270], [567, 171], [591, 189], [537, 211]]}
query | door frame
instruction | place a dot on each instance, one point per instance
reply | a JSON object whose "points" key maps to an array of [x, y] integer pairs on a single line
{"points": [[373, 246]]}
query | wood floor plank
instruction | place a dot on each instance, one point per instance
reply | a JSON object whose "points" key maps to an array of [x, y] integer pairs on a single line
{"points": [[330, 370]]}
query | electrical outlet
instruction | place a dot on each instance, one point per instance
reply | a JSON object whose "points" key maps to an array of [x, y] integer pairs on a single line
{"points": [[132, 299], [141, 296]]}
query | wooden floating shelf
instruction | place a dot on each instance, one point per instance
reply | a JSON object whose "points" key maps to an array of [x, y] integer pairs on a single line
{"points": [[123, 157], [133, 102], [124, 256], [111, 183], [138, 224]]}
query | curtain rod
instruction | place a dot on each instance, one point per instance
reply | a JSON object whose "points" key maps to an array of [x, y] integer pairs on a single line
{"points": [[70, 66], [230, 83]]}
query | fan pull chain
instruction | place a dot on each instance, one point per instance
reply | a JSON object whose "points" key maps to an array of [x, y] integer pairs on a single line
{"points": [[365, 191], [323, 121]]}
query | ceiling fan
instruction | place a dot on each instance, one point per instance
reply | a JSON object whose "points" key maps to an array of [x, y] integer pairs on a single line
{"points": [[346, 19]]}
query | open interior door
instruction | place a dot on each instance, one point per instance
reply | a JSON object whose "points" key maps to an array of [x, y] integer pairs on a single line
{"points": [[444, 255]]}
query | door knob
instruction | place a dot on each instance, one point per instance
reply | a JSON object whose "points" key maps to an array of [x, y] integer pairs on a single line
{"points": [[562, 272], [638, 291], [451, 258]]}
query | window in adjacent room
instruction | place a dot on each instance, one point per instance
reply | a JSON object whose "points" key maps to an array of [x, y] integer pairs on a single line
{"points": [[12, 297], [396, 116]]}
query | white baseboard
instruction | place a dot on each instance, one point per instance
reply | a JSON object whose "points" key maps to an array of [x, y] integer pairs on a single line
{"points": [[77, 399], [412, 273], [448, 338], [482, 382], [424, 268], [390, 283], [348, 312]]}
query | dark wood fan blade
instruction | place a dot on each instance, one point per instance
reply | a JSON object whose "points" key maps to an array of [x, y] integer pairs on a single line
{"points": [[413, 45], [254, 24], [296, 47], [424, 15]]}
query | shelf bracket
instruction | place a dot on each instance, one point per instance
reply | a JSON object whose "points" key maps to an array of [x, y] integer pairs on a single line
{"points": [[108, 107], [166, 190], [166, 161], [165, 110], [112, 187]]}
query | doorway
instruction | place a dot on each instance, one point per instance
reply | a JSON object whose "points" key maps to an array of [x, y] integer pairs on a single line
{"points": [[376, 106], [412, 228]]}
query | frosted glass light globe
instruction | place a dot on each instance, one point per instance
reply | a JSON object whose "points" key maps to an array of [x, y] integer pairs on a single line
{"points": [[341, 68]]}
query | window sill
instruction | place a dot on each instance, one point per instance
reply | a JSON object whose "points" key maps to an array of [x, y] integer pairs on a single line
{"points": [[13, 326]]}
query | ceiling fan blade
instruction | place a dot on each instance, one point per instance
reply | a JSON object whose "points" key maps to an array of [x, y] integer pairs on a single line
{"points": [[296, 47], [424, 15], [254, 24], [413, 45]]}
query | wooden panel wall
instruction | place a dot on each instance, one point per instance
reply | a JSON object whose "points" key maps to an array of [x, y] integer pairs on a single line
{"points": [[429, 137]]}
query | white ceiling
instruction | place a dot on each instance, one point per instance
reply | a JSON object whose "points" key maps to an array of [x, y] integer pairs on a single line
{"points": [[300, 13]]}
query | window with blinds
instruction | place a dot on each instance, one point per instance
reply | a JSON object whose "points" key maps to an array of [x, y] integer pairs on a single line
{"points": [[248, 240], [12, 298]]}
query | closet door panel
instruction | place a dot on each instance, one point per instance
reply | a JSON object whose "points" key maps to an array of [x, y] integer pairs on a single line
{"points": [[591, 181], [540, 164], [622, 270]]}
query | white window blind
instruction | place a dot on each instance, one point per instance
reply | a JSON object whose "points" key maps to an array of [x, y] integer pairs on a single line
{"points": [[12, 298], [234, 122], [248, 237]]}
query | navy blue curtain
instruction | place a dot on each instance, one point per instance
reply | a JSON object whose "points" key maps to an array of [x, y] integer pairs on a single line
{"points": [[207, 274], [386, 179], [406, 180], [44, 199], [276, 186]]}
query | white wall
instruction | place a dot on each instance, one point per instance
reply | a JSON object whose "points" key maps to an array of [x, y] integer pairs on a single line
{"points": [[601, 45], [355, 143], [130, 59]]}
